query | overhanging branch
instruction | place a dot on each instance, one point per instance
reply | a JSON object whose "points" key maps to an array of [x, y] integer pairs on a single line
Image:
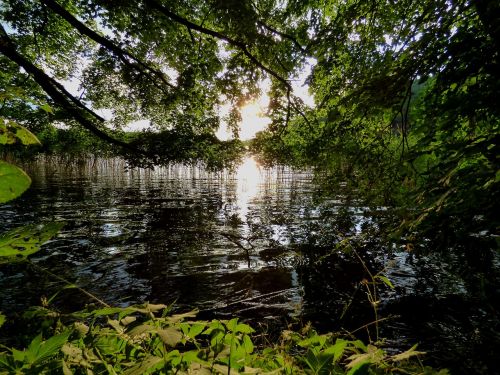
{"points": [[154, 4], [216, 34], [58, 94], [118, 51]]}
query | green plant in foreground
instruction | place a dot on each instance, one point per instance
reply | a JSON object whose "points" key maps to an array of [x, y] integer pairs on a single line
{"points": [[21, 242], [147, 339], [13, 180]]}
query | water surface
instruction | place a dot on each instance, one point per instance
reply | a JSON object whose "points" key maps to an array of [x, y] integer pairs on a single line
{"points": [[260, 244]]}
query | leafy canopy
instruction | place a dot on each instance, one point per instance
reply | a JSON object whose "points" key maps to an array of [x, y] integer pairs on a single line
{"points": [[405, 91]]}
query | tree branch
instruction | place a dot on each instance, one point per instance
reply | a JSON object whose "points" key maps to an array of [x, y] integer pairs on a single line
{"points": [[118, 51], [57, 92], [235, 43], [283, 35]]}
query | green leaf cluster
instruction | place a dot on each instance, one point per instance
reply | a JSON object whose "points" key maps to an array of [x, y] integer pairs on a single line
{"points": [[149, 339], [13, 180]]}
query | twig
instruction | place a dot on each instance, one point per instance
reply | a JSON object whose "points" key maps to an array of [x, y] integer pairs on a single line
{"points": [[68, 283], [372, 323]]}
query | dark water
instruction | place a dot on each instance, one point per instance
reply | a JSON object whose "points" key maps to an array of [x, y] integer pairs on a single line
{"points": [[260, 244]]}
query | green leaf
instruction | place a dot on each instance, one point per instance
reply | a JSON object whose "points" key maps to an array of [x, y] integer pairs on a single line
{"points": [[110, 344], [154, 308], [337, 350], [195, 330], [360, 345], [26, 137], [18, 355], [358, 366], [107, 311], [193, 356], [139, 330], [2, 319], [244, 328], [180, 317], [46, 108], [373, 355], [385, 280], [215, 325], [7, 363], [27, 240], [10, 133], [315, 340], [148, 364], [128, 320], [248, 344], [232, 324], [170, 336], [116, 325], [13, 182], [39, 352], [407, 354], [320, 363]]}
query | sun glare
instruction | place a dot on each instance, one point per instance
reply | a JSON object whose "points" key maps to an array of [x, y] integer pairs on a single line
{"points": [[253, 120], [249, 177]]}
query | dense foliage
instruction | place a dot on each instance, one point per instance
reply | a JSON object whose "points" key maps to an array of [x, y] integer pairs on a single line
{"points": [[405, 91], [406, 109], [406, 112], [149, 339]]}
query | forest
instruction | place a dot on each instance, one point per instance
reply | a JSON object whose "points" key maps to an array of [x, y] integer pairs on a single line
{"points": [[249, 186]]}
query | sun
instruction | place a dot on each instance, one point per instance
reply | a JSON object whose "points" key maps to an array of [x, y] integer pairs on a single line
{"points": [[253, 120]]}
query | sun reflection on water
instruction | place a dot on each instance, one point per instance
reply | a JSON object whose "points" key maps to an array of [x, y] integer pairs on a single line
{"points": [[249, 177]]}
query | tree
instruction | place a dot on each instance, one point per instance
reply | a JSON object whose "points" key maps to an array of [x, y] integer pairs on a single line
{"points": [[406, 97], [173, 63]]}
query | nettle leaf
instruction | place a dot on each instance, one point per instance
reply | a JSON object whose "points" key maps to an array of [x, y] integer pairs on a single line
{"points": [[195, 330], [244, 328], [357, 361], [148, 364], [337, 349], [139, 330], [216, 326], [318, 362], [407, 354], [27, 240], [231, 325], [39, 351], [170, 336], [13, 181], [155, 308], [11, 133], [180, 317], [385, 280], [248, 344]]}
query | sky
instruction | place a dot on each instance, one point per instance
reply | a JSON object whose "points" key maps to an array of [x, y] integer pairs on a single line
{"points": [[253, 118], [253, 113]]}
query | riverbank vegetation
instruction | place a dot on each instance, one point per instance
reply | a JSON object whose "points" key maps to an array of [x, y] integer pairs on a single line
{"points": [[405, 115]]}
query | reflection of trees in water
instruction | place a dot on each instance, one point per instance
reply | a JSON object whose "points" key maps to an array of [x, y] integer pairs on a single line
{"points": [[178, 234]]}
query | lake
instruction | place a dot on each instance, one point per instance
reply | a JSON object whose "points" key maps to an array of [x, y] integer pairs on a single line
{"points": [[268, 245]]}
